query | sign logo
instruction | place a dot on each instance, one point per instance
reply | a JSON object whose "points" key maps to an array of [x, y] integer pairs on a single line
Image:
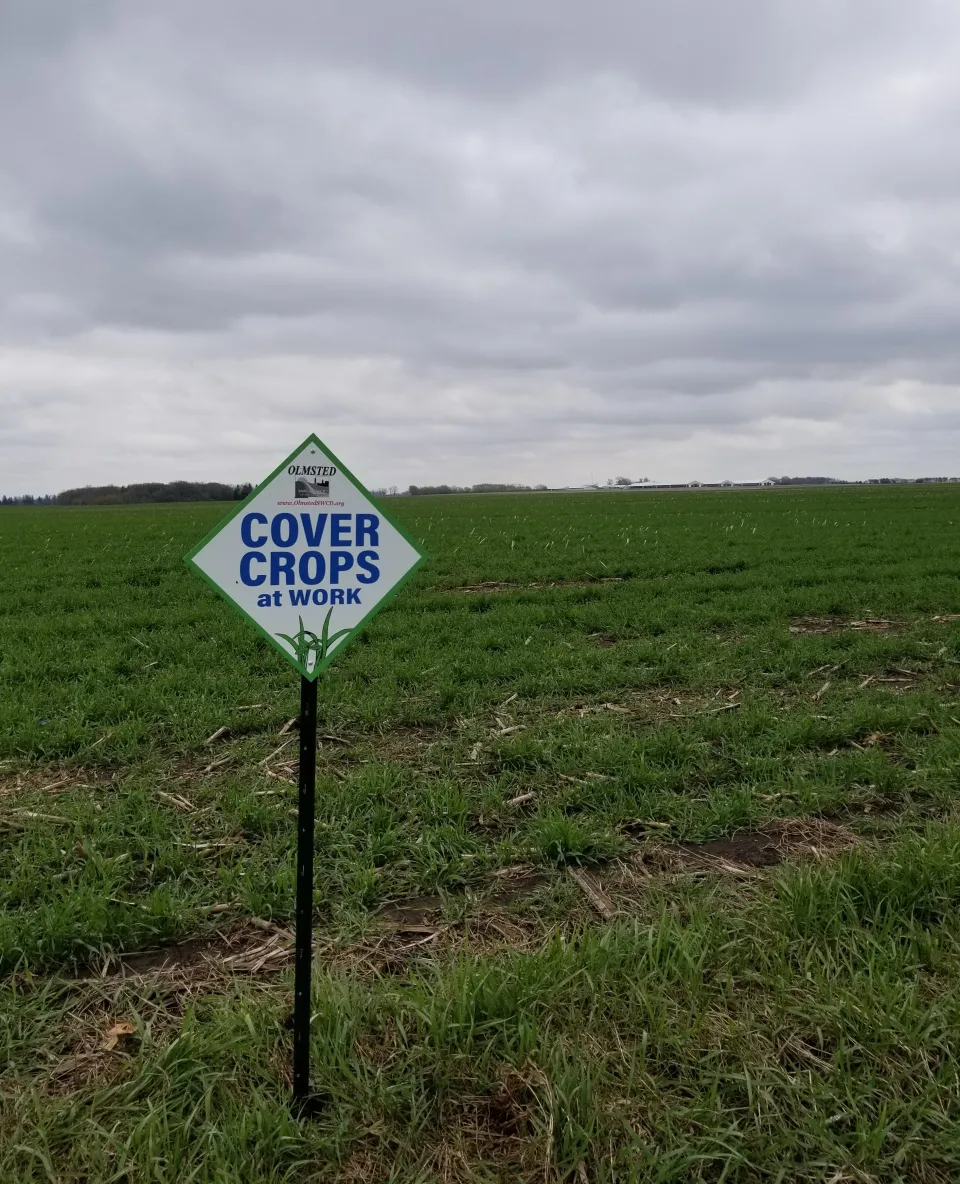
{"points": [[307, 577], [311, 489]]}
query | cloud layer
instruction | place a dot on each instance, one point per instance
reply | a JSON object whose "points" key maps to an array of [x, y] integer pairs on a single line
{"points": [[543, 242]]}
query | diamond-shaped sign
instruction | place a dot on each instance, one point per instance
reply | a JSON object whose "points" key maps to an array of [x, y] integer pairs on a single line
{"points": [[307, 558]]}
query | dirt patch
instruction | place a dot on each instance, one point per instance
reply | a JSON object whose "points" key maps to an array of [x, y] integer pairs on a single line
{"points": [[871, 804], [408, 742], [582, 710], [503, 887], [498, 1127], [417, 910], [198, 962], [819, 626], [747, 850], [501, 931], [52, 782], [497, 1133], [92, 1042], [504, 586], [260, 951], [605, 641], [752, 848], [660, 703], [101, 1030], [86, 1067], [666, 703], [389, 952], [509, 884], [416, 733], [195, 951], [415, 927], [896, 678], [397, 945]]}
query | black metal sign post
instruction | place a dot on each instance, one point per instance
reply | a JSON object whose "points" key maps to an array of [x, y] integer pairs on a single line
{"points": [[302, 1101]]}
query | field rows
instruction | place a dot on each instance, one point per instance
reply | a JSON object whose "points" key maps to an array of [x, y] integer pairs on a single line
{"points": [[636, 850]]}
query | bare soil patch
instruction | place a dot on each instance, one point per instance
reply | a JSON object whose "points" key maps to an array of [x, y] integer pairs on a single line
{"points": [[416, 910], [500, 1130], [251, 947], [822, 625], [178, 959], [505, 886], [52, 782], [657, 703], [504, 586], [763, 847], [509, 884], [408, 742], [101, 1033], [90, 1062], [396, 945], [740, 863], [896, 679], [605, 641], [753, 848], [497, 1127]]}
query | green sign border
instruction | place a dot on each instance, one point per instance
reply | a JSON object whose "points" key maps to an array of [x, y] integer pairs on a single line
{"points": [[189, 560]]}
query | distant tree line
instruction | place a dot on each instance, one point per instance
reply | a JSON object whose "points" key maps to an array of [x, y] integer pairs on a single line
{"points": [[153, 491], [128, 495], [807, 481], [865, 481]]}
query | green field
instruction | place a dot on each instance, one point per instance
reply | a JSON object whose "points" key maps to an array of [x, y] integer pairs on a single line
{"points": [[638, 853]]}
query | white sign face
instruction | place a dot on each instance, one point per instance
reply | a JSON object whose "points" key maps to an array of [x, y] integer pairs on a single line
{"points": [[307, 557]]}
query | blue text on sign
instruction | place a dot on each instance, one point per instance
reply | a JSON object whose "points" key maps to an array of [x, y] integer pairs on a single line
{"points": [[282, 566]]}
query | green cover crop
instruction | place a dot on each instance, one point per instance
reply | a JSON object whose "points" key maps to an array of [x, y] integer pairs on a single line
{"points": [[636, 857]]}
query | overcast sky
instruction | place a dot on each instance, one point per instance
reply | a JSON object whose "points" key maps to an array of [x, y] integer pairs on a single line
{"points": [[531, 240]]}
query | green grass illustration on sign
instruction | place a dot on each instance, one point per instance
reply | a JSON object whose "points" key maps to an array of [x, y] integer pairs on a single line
{"points": [[309, 648]]}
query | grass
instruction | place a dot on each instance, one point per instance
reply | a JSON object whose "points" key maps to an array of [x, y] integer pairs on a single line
{"points": [[601, 682]]}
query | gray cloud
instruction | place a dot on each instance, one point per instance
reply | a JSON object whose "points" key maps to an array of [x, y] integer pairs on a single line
{"points": [[532, 242], [682, 49]]}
